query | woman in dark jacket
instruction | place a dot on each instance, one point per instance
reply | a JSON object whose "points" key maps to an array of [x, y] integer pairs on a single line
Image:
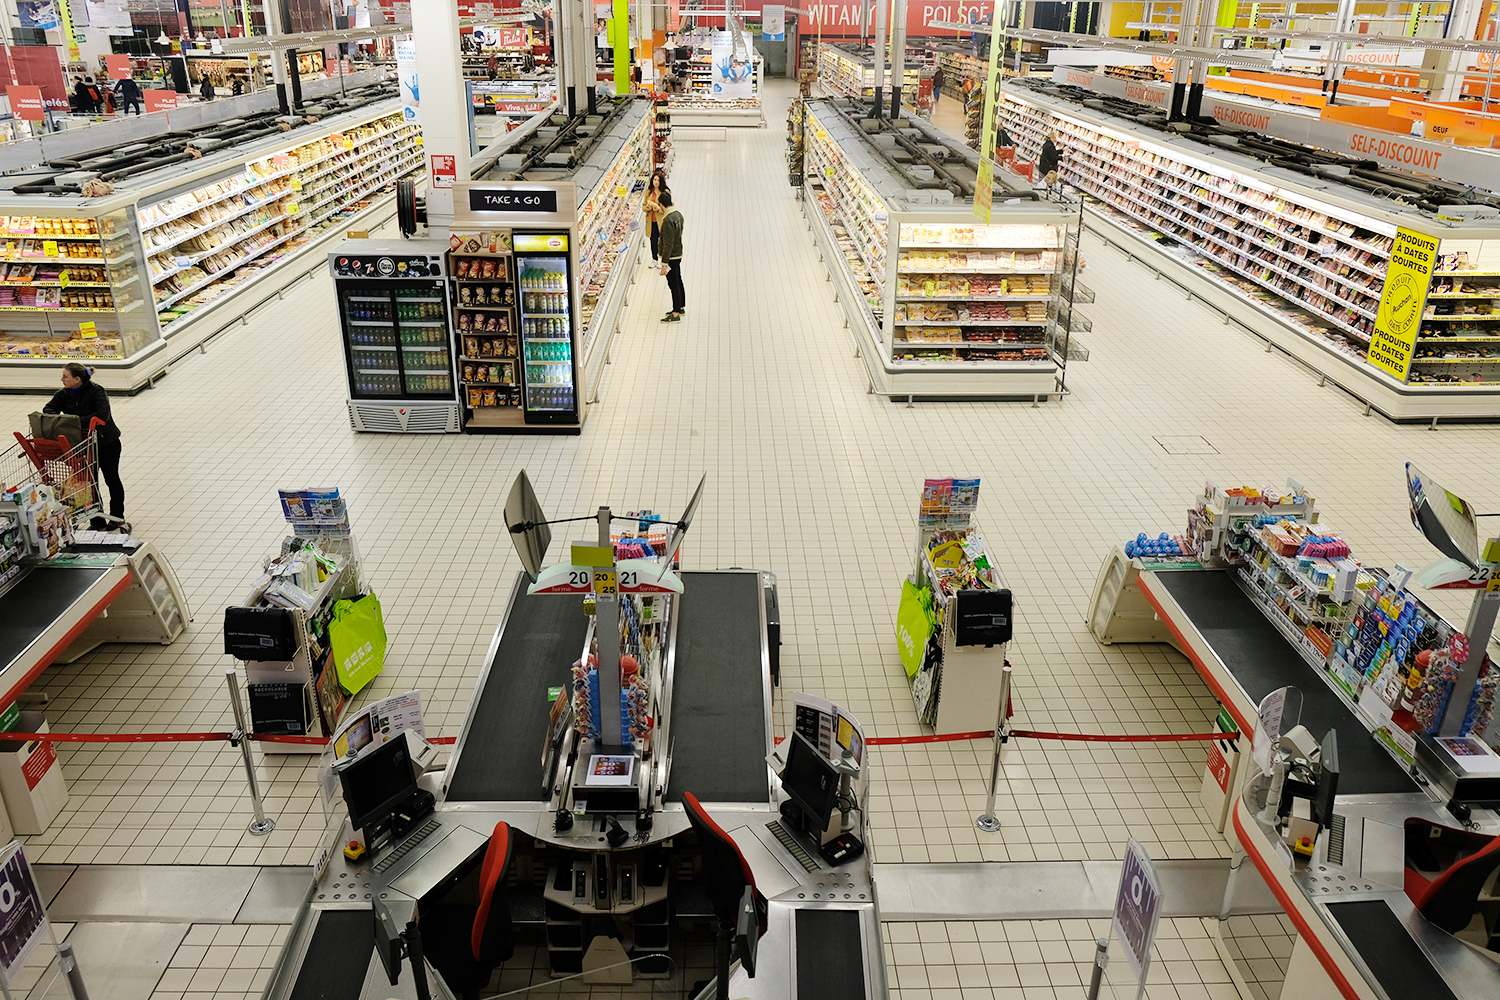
{"points": [[85, 400]]}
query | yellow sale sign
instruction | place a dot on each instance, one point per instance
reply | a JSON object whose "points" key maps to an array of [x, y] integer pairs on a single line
{"points": [[1402, 301]]}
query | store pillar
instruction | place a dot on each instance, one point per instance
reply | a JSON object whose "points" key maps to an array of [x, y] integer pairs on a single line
{"points": [[445, 114]]}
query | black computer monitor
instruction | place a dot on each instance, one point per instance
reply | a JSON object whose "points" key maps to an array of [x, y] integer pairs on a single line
{"points": [[388, 942], [811, 781], [1328, 780], [378, 782]]}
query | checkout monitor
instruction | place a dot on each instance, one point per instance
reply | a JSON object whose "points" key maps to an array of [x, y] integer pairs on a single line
{"points": [[375, 784], [811, 781]]}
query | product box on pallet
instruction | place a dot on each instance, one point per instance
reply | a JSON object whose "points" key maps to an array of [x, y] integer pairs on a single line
{"points": [[31, 779]]}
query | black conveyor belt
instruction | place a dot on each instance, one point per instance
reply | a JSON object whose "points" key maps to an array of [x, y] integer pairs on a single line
{"points": [[501, 757], [719, 738], [1398, 963], [338, 956], [35, 602], [1261, 660], [830, 956]]}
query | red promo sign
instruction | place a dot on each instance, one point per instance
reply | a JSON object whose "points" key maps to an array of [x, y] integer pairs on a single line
{"points": [[1218, 766], [119, 66], [160, 100], [842, 17], [26, 103], [38, 764], [443, 170], [512, 38]]}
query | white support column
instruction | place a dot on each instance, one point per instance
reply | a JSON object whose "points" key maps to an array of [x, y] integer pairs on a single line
{"points": [[445, 119], [584, 76], [878, 56]]}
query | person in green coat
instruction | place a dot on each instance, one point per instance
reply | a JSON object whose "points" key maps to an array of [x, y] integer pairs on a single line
{"points": [[671, 257]]}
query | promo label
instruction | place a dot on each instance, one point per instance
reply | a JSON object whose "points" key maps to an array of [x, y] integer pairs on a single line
{"points": [[1402, 300]]}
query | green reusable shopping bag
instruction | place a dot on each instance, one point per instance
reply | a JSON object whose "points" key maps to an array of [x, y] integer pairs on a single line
{"points": [[356, 634], [913, 625]]}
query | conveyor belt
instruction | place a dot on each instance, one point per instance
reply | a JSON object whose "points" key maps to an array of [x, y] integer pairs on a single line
{"points": [[501, 757], [341, 948], [1400, 966], [1261, 660], [718, 690], [35, 602], [830, 955]]}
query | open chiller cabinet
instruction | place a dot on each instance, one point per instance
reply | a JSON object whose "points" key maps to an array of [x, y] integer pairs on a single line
{"points": [[72, 284]]}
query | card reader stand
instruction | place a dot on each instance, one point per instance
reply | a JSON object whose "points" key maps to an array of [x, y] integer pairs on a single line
{"points": [[403, 820]]}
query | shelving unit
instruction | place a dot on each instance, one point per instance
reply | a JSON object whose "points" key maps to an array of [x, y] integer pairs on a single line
{"points": [[1459, 339], [69, 288], [1301, 266], [606, 218], [949, 306], [841, 71], [482, 296], [199, 241], [699, 106]]}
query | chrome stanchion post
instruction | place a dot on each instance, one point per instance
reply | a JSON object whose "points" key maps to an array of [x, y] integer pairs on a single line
{"points": [[262, 824], [1101, 959], [987, 822], [69, 966]]}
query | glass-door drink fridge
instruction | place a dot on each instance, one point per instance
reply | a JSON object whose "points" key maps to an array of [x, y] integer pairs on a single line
{"points": [[392, 302], [549, 369]]}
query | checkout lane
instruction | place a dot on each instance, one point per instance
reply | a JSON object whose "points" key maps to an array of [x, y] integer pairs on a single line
{"points": [[718, 682], [1358, 932]]}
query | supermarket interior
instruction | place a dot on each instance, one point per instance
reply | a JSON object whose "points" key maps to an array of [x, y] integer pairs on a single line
{"points": [[373, 439]]}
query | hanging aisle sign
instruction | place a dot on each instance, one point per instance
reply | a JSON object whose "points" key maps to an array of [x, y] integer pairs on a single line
{"points": [[773, 22], [732, 72], [406, 73], [1402, 301], [983, 187]]}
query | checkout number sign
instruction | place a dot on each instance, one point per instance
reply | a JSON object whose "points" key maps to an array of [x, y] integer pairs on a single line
{"points": [[1137, 909]]}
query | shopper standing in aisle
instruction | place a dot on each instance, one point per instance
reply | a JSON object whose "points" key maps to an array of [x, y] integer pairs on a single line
{"points": [[206, 91], [1046, 163], [937, 86], [130, 95], [85, 400], [655, 212], [671, 258]]}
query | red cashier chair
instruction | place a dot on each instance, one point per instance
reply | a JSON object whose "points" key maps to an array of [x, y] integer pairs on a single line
{"points": [[465, 943], [1448, 898], [730, 885]]}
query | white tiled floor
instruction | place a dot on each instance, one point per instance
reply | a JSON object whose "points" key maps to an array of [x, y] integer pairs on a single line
{"points": [[808, 476]]}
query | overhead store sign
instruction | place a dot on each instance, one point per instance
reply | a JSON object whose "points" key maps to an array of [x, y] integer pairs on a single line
{"points": [[1399, 317], [1389, 149]]}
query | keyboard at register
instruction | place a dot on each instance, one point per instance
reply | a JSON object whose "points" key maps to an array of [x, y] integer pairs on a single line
{"points": [[418, 835]]}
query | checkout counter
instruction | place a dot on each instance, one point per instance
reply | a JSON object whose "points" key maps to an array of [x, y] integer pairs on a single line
{"points": [[1359, 935], [59, 609], [613, 878]]}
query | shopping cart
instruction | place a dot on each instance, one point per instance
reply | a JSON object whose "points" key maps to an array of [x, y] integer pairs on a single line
{"points": [[71, 470]]}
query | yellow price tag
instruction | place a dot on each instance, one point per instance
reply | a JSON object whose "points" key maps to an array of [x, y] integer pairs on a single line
{"points": [[292, 208], [64, 280], [620, 191], [88, 330], [348, 144], [49, 248], [296, 184], [604, 581]]}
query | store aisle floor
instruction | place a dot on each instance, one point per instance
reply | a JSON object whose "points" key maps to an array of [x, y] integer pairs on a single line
{"points": [[808, 476]]}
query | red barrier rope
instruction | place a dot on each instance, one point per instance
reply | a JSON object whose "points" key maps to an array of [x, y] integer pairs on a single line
{"points": [[874, 741]]}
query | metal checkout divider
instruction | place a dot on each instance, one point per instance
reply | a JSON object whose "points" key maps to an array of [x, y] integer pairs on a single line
{"points": [[618, 871]]}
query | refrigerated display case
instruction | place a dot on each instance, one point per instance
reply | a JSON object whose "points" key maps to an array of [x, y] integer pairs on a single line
{"points": [[134, 280], [393, 311], [544, 276]]}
